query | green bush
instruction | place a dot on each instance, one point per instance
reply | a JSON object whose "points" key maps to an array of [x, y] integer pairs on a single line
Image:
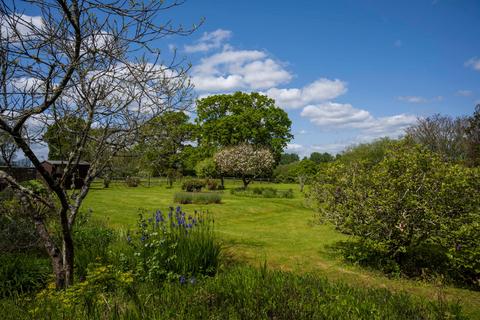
{"points": [[132, 182], [212, 184], [17, 228], [197, 197], [193, 185], [423, 212], [262, 192]]}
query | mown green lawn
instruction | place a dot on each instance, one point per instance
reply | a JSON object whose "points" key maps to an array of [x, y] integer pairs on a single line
{"points": [[280, 231]]}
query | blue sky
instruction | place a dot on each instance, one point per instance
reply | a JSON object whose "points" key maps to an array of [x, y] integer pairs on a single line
{"points": [[346, 71]]}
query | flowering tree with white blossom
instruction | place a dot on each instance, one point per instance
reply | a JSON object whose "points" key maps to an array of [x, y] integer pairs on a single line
{"points": [[245, 161]]}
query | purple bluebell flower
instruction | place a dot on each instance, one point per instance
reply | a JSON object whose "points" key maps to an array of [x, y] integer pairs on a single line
{"points": [[143, 238], [182, 280], [158, 216], [458, 247], [129, 239], [178, 209]]}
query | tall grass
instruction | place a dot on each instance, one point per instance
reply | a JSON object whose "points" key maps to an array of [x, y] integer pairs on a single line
{"points": [[22, 273], [197, 197], [239, 293]]}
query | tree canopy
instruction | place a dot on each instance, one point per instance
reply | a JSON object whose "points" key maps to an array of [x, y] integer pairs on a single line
{"points": [[287, 158], [164, 139], [245, 161], [231, 119]]}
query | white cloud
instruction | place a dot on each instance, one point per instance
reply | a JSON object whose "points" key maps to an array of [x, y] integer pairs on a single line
{"points": [[398, 43], [18, 26], [473, 63], [412, 99], [238, 70], [294, 147], [337, 115], [302, 131], [209, 41], [419, 99], [464, 93], [318, 91]]}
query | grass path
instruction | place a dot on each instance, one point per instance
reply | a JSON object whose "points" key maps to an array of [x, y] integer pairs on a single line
{"points": [[279, 231]]}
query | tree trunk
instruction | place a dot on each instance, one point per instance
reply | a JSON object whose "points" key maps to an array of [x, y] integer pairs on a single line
{"points": [[301, 181], [222, 181], [246, 181]]}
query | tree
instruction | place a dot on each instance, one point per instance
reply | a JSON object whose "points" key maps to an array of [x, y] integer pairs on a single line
{"points": [[287, 158], [231, 119], [441, 134], [318, 157], [164, 139], [473, 138], [61, 138], [304, 170], [206, 168], [8, 149], [245, 162], [91, 60]]}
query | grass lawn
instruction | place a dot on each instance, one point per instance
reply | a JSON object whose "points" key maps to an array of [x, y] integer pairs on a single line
{"points": [[279, 231]]}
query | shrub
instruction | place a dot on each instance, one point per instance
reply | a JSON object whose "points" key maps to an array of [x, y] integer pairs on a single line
{"points": [[17, 229], [420, 210], [206, 168], [197, 197], [212, 184], [262, 192], [193, 185], [132, 181], [175, 245]]}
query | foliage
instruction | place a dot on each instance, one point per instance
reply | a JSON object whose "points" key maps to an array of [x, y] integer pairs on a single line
{"points": [[22, 273], [239, 293], [287, 158], [206, 168], [368, 153], [241, 118], [245, 161], [409, 201], [318, 157], [132, 181], [8, 149], [262, 192], [193, 185], [163, 141], [174, 245], [197, 197], [473, 138], [300, 171], [62, 138], [17, 230], [102, 282]]}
